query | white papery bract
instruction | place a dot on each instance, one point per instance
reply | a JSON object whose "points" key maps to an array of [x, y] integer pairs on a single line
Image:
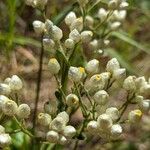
{"points": [[112, 65], [69, 43], [144, 105], [116, 130], [69, 131], [101, 97], [86, 36], [23, 111], [102, 14], [92, 127], [113, 112], [70, 18], [72, 100], [5, 140], [52, 136], [92, 66], [104, 122], [62, 140], [39, 27], [65, 116], [134, 116], [129, 84], [44, 119], [77, 24], [4, 89], [75, 35], [57, 124], [3, 99], [9, 108], [53, 66], [15, 83]]}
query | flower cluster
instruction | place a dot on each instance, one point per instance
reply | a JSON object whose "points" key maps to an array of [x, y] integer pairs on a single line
{"points": [[59, 131], [9, 107], [88, 89]]}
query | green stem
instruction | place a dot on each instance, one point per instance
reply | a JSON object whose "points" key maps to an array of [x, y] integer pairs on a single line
{"points": [[22, 128]]}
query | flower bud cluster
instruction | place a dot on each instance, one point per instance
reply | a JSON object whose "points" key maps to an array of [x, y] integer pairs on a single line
{"points": [[10, 85], [10, 107], [5, 139], [59, 130], [105, 126]]}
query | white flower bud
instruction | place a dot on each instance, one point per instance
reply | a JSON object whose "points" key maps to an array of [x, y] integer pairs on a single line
{"points": [[124, 4], [94, 44], [69, 43], [72, 100], [86, 36], [77, 24], [116, 130], [115, 25], [104, 122], [9, 108], [53, 66], [48, 44], [92, 66], [140, 82], [105, 76], [52, 136], [145, 89], [92, 127], [102, 14], [2, 129], [48, 25], [134, 116], [119, 15], [70, 18], [112, 65], [3, 99], [75, 74], [62, 140], [119, 73], [138, 99], [113, 112], [97, 82], [129, 84], [65, 116], [57, 124], [101, 97], [5, 140], [69, 131], [4, 89], [75, 35], [23, 111], [106, 42], [144, 105], [15, 83], [89, 21], [82, 72], [7, 81], [57, 33], [44, 119], [113, 4], [38, 27]]}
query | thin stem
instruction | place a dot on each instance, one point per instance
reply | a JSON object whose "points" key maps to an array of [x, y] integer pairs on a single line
{"points": [[22, 128], [80, 100], [107, 17], [38, 84]]}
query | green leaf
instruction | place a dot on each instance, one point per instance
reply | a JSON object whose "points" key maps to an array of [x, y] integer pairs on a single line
{"points": [[125, 37], [21, 40], [113, 53]]}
